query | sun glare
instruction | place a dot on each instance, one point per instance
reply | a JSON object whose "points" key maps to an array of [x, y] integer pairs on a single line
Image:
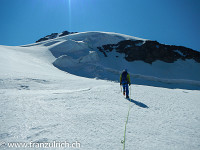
{"points": [[69, 14]]}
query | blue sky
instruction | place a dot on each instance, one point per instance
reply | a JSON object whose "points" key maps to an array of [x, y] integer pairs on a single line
{"points": [[175, 22]]}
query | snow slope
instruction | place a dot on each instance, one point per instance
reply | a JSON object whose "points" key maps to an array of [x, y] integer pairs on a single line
{"points": [[40, 103]]}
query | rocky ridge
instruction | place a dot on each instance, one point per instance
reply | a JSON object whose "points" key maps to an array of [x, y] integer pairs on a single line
{"points": [[54, 35]]}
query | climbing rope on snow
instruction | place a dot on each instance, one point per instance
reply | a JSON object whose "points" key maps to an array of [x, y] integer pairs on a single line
{"points": [[124, 141]]}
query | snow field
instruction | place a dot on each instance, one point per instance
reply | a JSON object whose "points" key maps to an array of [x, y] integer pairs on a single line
{"points": [[95, 116], [41, 103]]}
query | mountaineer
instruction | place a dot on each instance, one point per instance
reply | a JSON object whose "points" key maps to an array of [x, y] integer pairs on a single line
{"points": [[125, 81]]}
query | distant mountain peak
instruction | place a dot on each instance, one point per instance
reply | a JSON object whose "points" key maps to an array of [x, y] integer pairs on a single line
{"points": [[104, 55], [133, 48]]}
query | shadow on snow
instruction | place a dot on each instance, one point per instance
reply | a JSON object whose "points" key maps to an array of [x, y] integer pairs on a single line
{"points": [[140, 104], [98, 72]]}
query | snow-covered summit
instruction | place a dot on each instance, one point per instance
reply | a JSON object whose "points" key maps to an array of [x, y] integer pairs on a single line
{"points": [[95, 38], [104, 54]]}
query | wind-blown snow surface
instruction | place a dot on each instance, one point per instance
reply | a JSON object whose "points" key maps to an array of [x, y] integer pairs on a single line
{"points": [[41, 103]]}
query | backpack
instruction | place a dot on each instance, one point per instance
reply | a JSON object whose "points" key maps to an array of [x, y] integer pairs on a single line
{"points": [[124, 77]]}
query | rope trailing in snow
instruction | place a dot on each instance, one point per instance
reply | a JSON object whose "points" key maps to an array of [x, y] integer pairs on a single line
{"points": [[124, 141]]}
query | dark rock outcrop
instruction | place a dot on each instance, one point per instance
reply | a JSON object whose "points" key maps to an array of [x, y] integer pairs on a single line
{"points": [[66, 33], [55, 35], [52, 36], [150, 51]]}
